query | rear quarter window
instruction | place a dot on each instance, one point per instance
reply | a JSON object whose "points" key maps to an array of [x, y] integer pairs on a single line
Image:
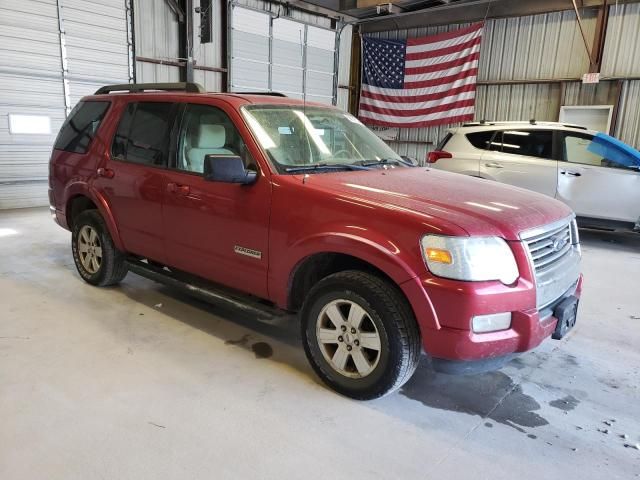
{"points": [[481, 140], [81, 126], [444, 141]]}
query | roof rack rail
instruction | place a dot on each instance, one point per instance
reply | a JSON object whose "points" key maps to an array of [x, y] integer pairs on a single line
{"points": [[272, 94], [142, 87]]}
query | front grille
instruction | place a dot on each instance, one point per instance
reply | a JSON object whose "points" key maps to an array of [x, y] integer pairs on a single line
{"points": [[554, 253], [548, 248]]}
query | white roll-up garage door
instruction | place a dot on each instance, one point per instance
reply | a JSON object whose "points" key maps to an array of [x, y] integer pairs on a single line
{"points": [[52, 52], [281, 55]]}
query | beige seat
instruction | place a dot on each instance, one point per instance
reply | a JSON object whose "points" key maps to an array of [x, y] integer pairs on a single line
{"points": [[211, 139]]}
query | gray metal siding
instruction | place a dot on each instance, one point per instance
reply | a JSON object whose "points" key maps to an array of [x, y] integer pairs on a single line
{"points": [[628, 128], [621, 55], [156, 34]]}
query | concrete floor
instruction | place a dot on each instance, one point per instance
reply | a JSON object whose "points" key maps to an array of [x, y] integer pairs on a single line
{"points": [[139, 382]]}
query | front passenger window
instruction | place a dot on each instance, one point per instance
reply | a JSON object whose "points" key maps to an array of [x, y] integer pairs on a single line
{"points": [[205, 131]]}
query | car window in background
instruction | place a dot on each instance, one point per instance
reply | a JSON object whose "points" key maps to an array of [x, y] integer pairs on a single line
{"points": [[532, 143], [81, 126], [599, 151], [481, 140], [143, 133]]}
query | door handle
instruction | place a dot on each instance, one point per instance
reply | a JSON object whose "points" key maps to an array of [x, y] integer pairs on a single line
{"points": [[178, 189], [570, 173], [105, 172], [493, 165]]}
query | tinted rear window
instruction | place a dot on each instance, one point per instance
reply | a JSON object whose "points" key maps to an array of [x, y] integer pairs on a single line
{"points": [[481, 139], [143, 133], [81, 126]]}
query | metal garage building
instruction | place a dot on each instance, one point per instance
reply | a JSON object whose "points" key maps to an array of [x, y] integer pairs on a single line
{"points": [[52, 52]]}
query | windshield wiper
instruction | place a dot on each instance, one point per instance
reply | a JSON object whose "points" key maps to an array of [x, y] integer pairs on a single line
{"points": [[386, 161], [325, 166]]}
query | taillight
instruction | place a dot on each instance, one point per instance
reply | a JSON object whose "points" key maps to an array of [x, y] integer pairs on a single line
{"points": [[433, 157]]}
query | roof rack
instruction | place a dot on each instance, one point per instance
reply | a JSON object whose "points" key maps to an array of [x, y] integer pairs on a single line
{"points": [[271, 94], [142, 87], [488, 123]]}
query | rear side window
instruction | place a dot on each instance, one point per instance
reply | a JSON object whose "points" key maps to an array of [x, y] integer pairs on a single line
{"points": [[143, 133], [444, 141], [533, 143], [81, 126], [481, 140]]}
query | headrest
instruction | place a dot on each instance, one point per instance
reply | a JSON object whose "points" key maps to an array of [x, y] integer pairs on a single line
{"points": [[210, 136]]}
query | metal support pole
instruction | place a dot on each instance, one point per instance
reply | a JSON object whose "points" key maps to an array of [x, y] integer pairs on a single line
{"points": [[188, 19], [63, 59], [130, 52]]}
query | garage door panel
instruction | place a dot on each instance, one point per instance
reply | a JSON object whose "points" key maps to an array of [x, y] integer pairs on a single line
{"points": [[250, 75], [21, 195], [287, 79], [250, 46], [320, 60], [319, 84], [31, 79], [287, 53]]}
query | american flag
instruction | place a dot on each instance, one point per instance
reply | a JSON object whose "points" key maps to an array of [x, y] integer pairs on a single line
{"points": [[420, 82]]}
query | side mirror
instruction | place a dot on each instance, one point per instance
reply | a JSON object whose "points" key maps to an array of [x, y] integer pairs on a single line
{"points": [[227, 169]]}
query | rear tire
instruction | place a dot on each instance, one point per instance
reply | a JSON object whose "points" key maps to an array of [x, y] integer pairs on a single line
{"points": [[360, 334], [97, 259]]}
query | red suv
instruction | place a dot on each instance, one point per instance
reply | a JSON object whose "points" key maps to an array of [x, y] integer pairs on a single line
{"points": [[269, 203]]}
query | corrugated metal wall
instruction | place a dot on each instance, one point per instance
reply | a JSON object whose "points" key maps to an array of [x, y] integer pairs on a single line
{"points": [[519, 55], [628, 130], [35, 37], [156, 37], [621, 56]]}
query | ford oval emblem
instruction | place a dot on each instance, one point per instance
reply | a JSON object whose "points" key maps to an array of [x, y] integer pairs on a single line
{"points": [[559, 242]]}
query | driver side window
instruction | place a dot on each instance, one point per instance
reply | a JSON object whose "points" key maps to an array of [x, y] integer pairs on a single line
{"points": [[208, 130]]}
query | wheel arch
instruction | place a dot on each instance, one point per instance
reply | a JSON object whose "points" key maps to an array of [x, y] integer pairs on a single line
{"points": [[81, 198]]}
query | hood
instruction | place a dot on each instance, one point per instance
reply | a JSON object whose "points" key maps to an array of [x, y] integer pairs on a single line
{"points": [[481, 207]]}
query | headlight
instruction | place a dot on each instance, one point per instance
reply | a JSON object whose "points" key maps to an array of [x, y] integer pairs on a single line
{"points": [[473, 259]]}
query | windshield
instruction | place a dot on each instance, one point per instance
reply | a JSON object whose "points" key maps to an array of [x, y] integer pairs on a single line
{"points": [[316, 138]]}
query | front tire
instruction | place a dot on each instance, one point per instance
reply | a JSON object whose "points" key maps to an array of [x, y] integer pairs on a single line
{"points": [[360, 334], [97, 259]]}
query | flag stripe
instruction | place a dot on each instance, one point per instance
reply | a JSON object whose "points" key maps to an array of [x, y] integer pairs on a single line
{"points": [[425, 81], [443, 58], [425, 123], [412, 92], [441, 66], [445, 107], [451, 72], [444, 51], [471, 72], [417, 118], [410, 104]]}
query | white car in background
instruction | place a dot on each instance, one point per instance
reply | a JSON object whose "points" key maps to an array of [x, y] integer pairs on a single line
{"points": [[597, 175]]}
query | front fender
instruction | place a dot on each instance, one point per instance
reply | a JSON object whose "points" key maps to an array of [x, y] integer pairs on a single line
{"points": [[76, 189], [375, 249]]}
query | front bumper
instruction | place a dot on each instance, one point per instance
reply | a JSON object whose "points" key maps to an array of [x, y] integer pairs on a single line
{"points": [[447, 334]]}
